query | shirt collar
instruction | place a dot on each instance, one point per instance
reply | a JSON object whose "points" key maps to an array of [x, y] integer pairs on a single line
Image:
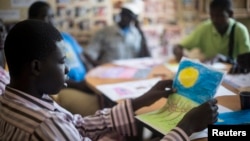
{"points": [[17, 95]]}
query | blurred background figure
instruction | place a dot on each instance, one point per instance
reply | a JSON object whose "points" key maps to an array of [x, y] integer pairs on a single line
{"points": [[123, 40], [219, 38]]}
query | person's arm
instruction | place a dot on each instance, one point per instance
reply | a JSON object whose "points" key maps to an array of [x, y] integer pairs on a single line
{"points": [[4, 79], [121, 117], [178, 52], [94, 49], [242, 40], [189, 42], [156, 92]]}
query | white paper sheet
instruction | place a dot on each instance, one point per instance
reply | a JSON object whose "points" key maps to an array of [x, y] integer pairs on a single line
{"points": [[131, 89], [222, 91], [140, 63], [238, 80]]}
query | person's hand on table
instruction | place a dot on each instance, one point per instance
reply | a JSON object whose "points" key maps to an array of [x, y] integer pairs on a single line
{"points": [[199, 117], [162, 89]]}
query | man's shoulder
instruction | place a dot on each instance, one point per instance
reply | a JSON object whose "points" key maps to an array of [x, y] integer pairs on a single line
{"points": [[241, 26], [108, 29]]}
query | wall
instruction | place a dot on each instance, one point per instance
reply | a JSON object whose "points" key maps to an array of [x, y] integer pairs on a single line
{"points": [[16, 10]]}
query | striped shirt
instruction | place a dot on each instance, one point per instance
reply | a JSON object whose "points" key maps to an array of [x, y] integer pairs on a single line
{"points": [[25, 118], [4, 79]]}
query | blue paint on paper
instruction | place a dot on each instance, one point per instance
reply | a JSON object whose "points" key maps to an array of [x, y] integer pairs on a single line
{"points": [[205, 86]]}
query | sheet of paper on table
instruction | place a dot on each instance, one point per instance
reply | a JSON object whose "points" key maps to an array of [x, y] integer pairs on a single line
{"points": [[195, 84], [123, 90], [140, 63], [120, 72], [237, 81]]}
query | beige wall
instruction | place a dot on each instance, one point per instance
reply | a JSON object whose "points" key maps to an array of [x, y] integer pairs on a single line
{"points": [[6, 5]]}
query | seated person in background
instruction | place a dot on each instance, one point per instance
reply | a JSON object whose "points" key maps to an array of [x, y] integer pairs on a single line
{"points": [[123, 40], [212, 37], [40, 71], [4, 75], [81, 94]]}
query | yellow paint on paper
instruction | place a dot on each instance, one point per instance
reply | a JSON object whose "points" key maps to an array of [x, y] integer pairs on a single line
{"points": [[188, 77]]}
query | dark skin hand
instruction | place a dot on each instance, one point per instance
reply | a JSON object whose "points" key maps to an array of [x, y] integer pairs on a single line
{"points": [[242, 64], [199, 117], [195, 120], [156, 92], [178, 52]]}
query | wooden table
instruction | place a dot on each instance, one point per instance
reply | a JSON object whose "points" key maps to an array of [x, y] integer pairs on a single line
{"points": [[231, 102]]}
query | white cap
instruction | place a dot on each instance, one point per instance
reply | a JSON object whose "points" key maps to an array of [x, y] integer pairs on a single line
{"points": [[135, 6]]}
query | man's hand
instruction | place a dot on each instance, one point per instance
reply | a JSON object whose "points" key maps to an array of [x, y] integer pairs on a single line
{"points": [[162, 89], [199, 117]]}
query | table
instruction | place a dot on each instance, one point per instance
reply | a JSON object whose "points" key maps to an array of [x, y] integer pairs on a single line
{"points": [[231, 102]]}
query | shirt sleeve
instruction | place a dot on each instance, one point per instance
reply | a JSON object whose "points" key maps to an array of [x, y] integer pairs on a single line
{"points": [[95, 46], [193, 39], [176, 134], [120, 119], [4, 79], [242, 41]]}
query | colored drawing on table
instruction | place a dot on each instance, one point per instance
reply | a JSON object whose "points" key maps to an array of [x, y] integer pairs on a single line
{"points": [[131, 89], [195, 84], [120, 72]]}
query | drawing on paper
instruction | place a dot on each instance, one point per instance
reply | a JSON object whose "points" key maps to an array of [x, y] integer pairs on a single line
{"points": [[195, 84]]}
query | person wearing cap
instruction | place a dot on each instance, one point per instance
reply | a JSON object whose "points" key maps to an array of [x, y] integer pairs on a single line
{"points": [[123, 40]]}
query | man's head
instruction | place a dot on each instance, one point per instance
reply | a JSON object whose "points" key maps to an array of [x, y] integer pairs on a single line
{"points": [[34, 54], [220, 12], [130, 12], [42, 11], [126, 17]]}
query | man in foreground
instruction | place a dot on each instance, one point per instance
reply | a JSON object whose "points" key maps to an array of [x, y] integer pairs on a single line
{"points": [[28, 113]]}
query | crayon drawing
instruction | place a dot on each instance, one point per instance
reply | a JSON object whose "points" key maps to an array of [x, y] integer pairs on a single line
{"points": [[195, 84]]}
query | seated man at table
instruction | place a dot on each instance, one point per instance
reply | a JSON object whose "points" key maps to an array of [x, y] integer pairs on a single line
{"points": [[28, 113], [218, 36], [123, 40], [81, 94]]}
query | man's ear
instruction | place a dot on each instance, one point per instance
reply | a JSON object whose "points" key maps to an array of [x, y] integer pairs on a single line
{"points": [[230, 13], [36, 67]]}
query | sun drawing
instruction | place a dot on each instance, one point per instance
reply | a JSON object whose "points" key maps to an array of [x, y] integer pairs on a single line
{"points": [[188, 77]]}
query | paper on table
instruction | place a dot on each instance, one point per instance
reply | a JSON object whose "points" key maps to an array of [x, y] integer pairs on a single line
{"points": [[238, 80], [222, 91], [131, 89], [141, 63], [120, 72]]}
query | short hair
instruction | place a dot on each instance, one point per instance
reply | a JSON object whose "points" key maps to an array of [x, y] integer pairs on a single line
{"points": [[36, 8], [29, 40], [223, 4]]}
